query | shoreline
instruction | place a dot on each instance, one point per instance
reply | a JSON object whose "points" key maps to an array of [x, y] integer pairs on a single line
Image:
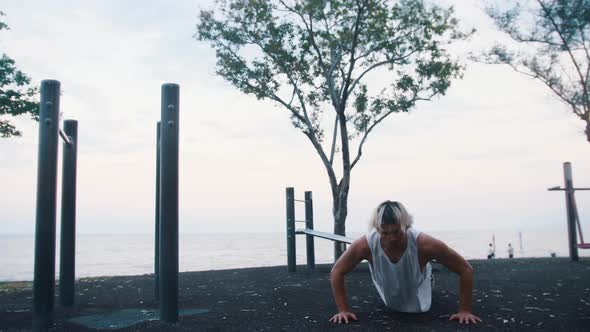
{"points": [[5, 283]]}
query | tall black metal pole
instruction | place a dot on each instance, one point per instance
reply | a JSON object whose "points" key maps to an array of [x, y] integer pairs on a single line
{"points": [[571, 219], [291, 267], [44, 274], [309, 225], [67, 261], [157, 231], [169, 204]]}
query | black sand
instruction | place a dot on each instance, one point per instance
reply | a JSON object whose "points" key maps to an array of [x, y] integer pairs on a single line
{"points": [[551, 294]]}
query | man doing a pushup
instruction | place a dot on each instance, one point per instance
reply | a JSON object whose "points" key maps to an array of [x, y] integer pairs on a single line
{"points": [[399, 257]]}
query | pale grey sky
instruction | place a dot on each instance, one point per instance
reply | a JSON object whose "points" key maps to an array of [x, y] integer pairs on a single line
{"points": [[480, 157]]}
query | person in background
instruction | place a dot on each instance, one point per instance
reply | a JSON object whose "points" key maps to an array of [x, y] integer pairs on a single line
{"points": [[510, 251], [399, 256], [491, 253]]}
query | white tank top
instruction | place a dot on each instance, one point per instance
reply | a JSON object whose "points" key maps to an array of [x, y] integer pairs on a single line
{"points": [[402, 285]]}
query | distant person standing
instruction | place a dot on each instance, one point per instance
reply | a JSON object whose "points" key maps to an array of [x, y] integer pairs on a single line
{"points": [[510, 251], [491, 252]]}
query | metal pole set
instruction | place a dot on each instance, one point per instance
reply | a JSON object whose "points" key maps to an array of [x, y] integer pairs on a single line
{"points": [[291, 232], [168, 210], [166, 243], [571, 212], [309, 232], [45, 219]]}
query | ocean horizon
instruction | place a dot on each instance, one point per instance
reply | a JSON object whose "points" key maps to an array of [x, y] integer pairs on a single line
{"points": [[133, 254]]}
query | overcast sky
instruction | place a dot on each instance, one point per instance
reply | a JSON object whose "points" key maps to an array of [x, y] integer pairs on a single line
{"points": [[480, 157]]}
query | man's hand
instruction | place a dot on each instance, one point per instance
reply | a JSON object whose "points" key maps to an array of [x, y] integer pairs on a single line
{"points": [[343, 317], [465, 317]]}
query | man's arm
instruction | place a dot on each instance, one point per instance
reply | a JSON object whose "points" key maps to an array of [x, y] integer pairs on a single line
{"points": [[347, 262], [432, 248]]}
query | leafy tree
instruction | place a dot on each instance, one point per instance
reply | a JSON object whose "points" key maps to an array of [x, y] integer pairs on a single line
{"points": [[555, 49], [16, 97], [318, 59]]}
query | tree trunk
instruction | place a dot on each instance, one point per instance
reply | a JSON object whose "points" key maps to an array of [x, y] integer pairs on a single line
{"points": [[340, 211], [341, 197], [588, 130]]}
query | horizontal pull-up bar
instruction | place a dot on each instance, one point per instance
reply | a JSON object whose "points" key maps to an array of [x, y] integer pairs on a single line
{"points": [[324, 235], [64, 136], [564, 189]]}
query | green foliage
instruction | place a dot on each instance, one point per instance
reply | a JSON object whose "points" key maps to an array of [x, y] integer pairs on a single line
{"points": [[555, 47], [312, 56], [315, 55], [16, 97]]}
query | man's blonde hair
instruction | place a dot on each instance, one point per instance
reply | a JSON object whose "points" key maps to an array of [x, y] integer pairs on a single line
{"points": [[391, 212]]}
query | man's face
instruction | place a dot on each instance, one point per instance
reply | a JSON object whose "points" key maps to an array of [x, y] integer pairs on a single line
{"points": [[392, 233]]}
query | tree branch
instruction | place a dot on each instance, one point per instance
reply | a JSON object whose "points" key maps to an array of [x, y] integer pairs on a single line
{"points": [[334, 140], [309, 29], [587, 53], [379, 64], [565, 44], [380, 47], [519, 38], [370, 128], [271, 94], [346, 82], [546, 81], [292, 96], [327, 73], [583, 37], [296, 90]]}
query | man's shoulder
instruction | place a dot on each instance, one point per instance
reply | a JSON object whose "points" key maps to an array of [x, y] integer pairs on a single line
{"points": [[427, 244], [424, 239], [361, 247], [361, 243]]}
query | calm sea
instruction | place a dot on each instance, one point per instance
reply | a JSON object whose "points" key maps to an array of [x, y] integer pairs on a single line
{"points": [[99, 255]]}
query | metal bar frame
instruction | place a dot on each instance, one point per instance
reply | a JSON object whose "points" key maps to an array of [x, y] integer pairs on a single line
{"points": [[327, 236], [65, 137], [157, 218], [67, 252], [45, 223], [290, 204], [169, 203], [309, 241]]}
